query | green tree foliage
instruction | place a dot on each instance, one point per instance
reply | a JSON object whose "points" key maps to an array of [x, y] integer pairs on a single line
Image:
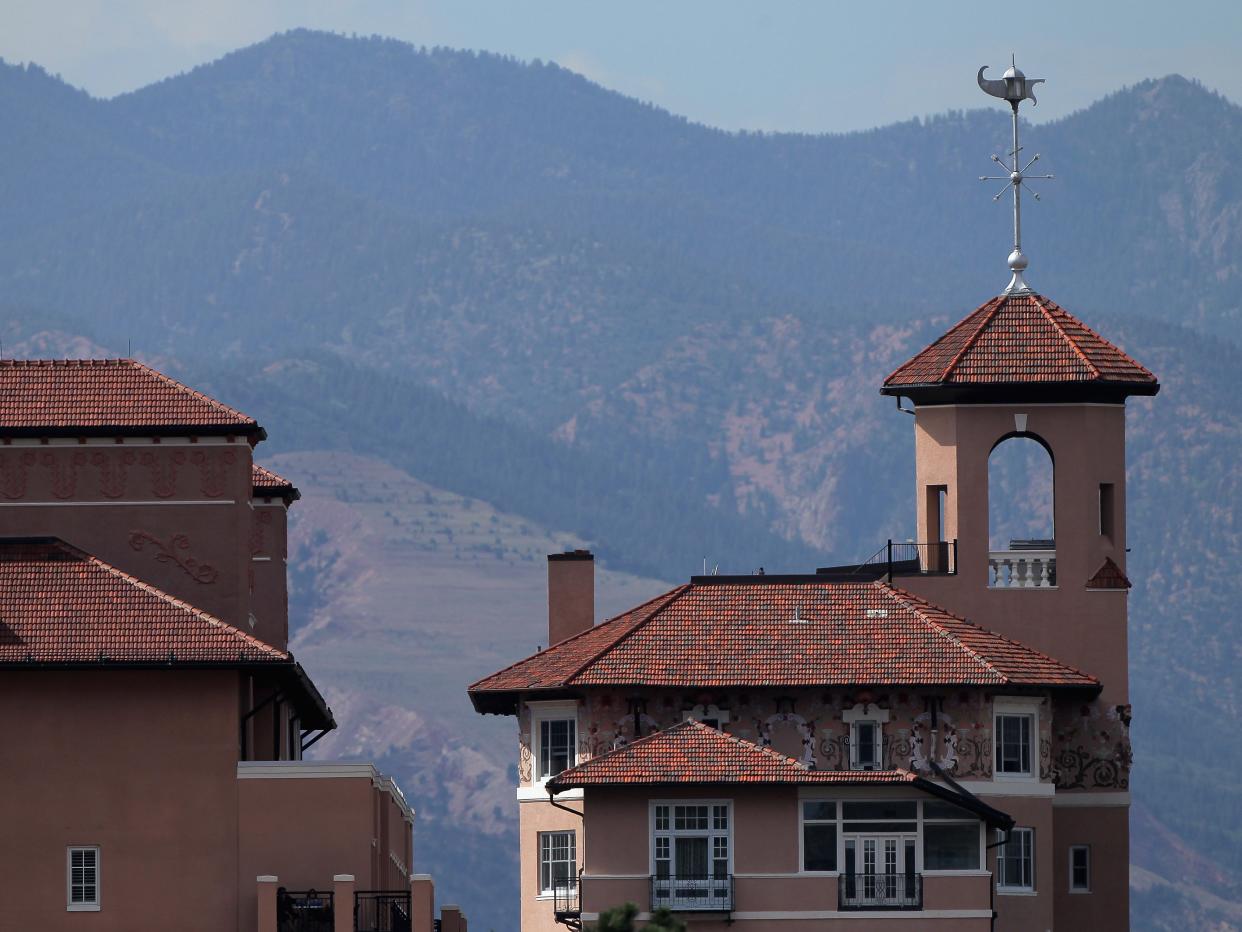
{"points": [[622, 919]]}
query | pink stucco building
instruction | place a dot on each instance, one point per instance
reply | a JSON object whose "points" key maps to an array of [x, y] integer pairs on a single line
{"points": [[154, 720], [935, 739]]}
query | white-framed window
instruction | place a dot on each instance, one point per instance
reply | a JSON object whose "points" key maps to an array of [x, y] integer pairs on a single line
{"points": [[1015, 862], [554, 736], [1080, 868], [1015, 737], [866, 736], [710, 715], [558, 862], [951, 837], [819, 835], [82, 878], [691, 853]]}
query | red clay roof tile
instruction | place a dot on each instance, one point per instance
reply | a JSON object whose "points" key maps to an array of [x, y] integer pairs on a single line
{"points": [[1109, 576], [264, 482], [98, 395], [1020, 339], [61, 605], [691, 752], [812, 633]]}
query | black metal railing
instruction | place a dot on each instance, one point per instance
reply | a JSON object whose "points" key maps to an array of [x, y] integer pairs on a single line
{"points": [[699, 893], [304, 911], [567, 901], [880, 891], [382, 911], [900, 558]]}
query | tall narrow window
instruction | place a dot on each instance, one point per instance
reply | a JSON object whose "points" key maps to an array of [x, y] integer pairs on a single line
{"points": [[1106, 509], [819, 835], [1013, 744], [865, 746], [1080, 869], [1015, 862], [690, 854], [83, 879], [1021, 534], [558, 865], [557, 739]]}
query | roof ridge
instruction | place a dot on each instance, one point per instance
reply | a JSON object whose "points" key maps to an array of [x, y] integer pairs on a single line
{"points": [[940, 629], [1095, 333], [1056, 324], [673, 594], [171, 599], [581, 634], [974, 337], [201, 396], [988, 631]]}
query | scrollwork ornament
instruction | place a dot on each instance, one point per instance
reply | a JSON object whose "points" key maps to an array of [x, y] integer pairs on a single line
{"points": [[173, 552]]}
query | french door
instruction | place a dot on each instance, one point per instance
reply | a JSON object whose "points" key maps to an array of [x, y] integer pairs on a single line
{"points": [[880, 871]]}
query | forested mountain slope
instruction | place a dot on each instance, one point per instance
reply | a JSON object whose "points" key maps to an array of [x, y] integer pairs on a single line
{"points": [[611, 325]]}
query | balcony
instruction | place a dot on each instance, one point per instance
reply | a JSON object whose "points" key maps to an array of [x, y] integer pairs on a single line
{"points": [[382, 911], [1027, 564], [900, 558], [693, 893], [567, 903], [880, 891]]}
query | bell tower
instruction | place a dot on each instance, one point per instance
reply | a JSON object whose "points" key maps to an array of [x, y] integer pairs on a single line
{"points": [[1020, 366]]}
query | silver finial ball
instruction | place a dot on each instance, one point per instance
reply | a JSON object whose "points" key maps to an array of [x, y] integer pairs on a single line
{"points": [[1015, 177], [1013, 72], [1017, 261]]}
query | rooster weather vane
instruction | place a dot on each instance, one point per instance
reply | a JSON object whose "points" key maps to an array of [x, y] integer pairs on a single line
{"points": [[1014, 87]]}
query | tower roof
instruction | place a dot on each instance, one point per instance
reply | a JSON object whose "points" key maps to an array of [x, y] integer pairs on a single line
{"points": [[1021, 347]]}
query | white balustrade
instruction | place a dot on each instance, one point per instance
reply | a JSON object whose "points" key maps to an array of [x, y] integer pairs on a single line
{"points": [[1022, 569]]}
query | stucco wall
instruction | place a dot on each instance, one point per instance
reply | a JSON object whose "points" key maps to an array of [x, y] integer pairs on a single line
{"points": [[141, 764]]}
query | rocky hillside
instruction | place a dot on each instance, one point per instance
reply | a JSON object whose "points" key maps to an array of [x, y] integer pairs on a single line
{"points": [[529, 311]]}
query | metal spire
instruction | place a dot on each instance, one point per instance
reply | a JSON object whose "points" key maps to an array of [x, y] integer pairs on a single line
{"points": [[1014, 87]]}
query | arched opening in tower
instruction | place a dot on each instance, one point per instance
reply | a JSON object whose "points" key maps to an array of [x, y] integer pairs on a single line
{"points": [[1021, 529]]}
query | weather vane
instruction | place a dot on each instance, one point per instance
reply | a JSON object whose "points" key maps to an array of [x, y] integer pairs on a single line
{"points": [[1014, 87]]}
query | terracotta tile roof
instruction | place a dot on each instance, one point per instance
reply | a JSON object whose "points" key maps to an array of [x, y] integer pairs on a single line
{"points": [[106, 396], [1021, 339], [61, 605], [1109, 576], [745, 632], [691, 752], [270, 484]]}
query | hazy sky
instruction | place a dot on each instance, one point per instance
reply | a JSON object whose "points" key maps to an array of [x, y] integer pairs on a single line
{"points": [[810, 66]]}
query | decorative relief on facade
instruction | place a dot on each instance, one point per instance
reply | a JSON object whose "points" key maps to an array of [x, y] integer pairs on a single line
{"points": [[13, 469], [213, 470], [175, 552], [1091, 748], [262, 520], [64, 472], [113, 468], [163, 472]]}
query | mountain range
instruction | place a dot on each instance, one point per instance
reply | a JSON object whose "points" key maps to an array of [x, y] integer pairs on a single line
{"points": [[534, 313]]}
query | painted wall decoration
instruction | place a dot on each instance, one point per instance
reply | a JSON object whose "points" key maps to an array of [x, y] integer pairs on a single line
{"points": [[176, 553], [1091, 747]]}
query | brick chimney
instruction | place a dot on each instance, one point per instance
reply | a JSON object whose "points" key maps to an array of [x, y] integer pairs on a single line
{"points": [[571, 594]]}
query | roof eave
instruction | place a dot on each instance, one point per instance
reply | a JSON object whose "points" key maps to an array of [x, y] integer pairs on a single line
{"points": [[945, 393], [253, 431]]}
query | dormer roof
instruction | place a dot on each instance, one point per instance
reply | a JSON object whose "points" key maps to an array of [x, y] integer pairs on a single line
{"points": [[108, 397], [1020, 347]]}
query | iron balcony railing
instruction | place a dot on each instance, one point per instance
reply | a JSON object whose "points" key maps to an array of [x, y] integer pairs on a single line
{"points": [[901, 558], [880, 891], [304, 911], [382, 911], [698, 893], [567, 902]]}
